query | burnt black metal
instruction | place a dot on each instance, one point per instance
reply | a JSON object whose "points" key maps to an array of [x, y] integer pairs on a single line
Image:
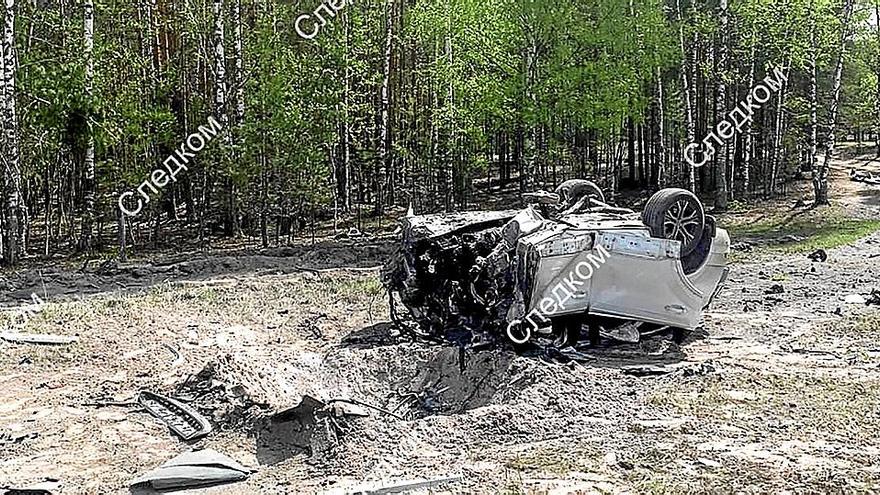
{"points": [[455, 274], [435, 278], [182, 419]]}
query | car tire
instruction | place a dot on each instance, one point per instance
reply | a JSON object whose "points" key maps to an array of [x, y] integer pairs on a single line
{"points": [[583, 188], [594, 191], [676, 214]]}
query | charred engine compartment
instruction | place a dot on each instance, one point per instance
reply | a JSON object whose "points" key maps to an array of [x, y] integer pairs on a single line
{"points": [[456, 286]]}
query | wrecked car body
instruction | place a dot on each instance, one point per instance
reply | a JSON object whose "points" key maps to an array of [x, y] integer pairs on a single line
{"points": [[476, 276]]}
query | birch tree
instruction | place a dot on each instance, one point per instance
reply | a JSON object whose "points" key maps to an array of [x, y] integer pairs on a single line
{"points": [[89, 185], [11, 152], [239, 111], [384, 131], [661, 169], [812, 67], [877, 69], [720, 109], [219, 110], [747, 132], [820, 179], [690, 124]]}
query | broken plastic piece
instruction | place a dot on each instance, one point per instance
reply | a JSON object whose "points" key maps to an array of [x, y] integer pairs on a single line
{"points": [[193, 469], [43, 488], [403, 486], [182, 419]]}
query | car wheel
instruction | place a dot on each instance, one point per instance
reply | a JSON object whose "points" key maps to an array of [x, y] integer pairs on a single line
{"points": [[676, 214], [593, 191]]}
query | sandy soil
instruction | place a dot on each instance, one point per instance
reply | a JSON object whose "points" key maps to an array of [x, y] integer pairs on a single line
{"points": [[778, 392]]}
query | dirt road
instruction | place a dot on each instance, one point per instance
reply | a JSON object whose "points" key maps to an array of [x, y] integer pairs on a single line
{"points": [[780, 391]]}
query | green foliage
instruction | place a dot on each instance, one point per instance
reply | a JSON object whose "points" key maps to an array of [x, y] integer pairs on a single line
{"points": [[463, 74]]}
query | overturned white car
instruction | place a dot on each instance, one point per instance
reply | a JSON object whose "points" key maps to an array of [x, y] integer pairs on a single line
{"points": [[473, 277]]}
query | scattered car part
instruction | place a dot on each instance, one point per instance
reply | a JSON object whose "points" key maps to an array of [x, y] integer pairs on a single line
{"points": [[290, 431], [477, 276], [42, 488], [37, 338], [340, 407], [401, 486], [818, 255], [540, 197], [182, 419], [192, 469], [354, 408]]}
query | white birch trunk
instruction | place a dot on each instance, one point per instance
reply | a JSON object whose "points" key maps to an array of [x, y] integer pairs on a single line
{"points": [[88, 220], [720, 110], [239, 67], [384, 132], [777, 135], [450, 103], [219, 106], [686, 95], [877, 68], [219, 65], [661, 169], [239, 110], [10, 124], [345, 176], [747, 134], [820, 182]]}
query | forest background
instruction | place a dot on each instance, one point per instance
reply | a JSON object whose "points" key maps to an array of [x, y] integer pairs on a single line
{"points": [[394, 103]]}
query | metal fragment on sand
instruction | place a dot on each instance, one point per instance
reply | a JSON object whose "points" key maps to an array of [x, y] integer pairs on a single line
{"points": [[181, 418]]}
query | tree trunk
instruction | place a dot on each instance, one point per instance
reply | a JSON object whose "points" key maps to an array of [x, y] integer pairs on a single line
{"points": [[877, 69], [120, 234], [820, 180], [219, 104], [88, 219], [686, 94], [747, 134], [720, 111], [11, 153], [661, 149], [630, 150], [344, 178], [384, 131], [449, 166], [239, 113], [778, 134]]}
